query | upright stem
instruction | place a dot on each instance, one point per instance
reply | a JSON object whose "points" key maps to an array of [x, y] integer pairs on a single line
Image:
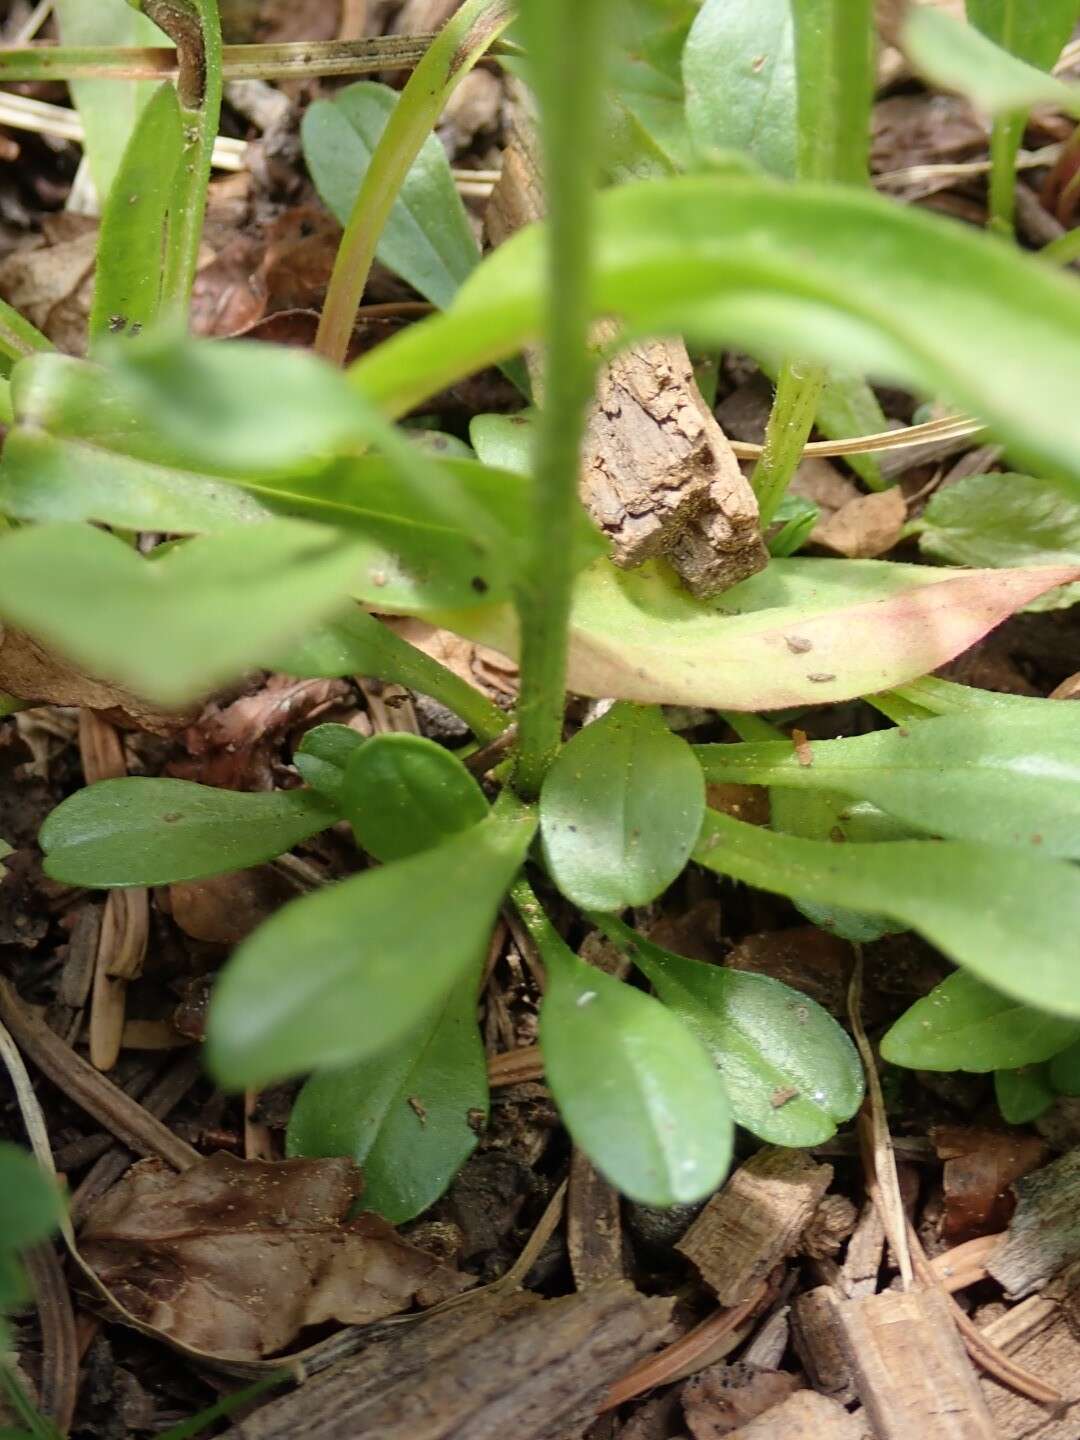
{"points": [[453, 53], [798, 389], [1005, 137], [566, 40]]}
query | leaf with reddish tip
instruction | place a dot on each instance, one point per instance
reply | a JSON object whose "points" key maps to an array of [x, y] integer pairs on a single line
{"points": [[803, 632]]}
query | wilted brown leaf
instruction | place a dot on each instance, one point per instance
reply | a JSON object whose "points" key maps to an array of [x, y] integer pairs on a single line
{"points": [[477, 664], [225, 909], [50, 279], [980, 1165], [235, 1257], [30, 672], [865, 527]]}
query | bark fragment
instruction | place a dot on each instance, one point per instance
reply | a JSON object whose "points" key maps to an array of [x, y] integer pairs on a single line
{"points": [[1044, 1235]]}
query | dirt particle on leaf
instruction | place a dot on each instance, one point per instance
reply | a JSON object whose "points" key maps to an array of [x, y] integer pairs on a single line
{"points": [[819, 677], [798, 644], [801, 745], [783, 1095], [419, 1109]]}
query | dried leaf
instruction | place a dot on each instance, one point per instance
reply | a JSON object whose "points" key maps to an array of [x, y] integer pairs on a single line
{"points": [[234, 1257], [723, 1397], [865, 527], [980, 1166]]}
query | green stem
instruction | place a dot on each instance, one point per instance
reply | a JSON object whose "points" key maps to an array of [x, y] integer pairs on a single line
{"points": [[545, 937], [798, 389], [1005, 137], [18, 338], [195, 28], [453, 53], [566, 75], [1064, 250]]}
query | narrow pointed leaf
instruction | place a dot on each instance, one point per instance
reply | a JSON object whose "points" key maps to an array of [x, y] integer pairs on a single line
{"points": [[139, 831], [127, 280], [845, 277], [979, 777], [620, 810], [960, 57], [965, 1024], [403, 794], [803, 632], [1006, 915], [635, 1088], [409, 1117], [791, 1073], [351, 970]]}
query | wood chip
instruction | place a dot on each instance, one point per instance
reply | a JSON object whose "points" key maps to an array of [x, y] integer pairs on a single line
{"points": [[803, 1416], [1044, 1236], [723, 1397], [593, 1225], [755, 1221], [910, 1369], [815, 1332], [493, 1367], [1041, 1334]]}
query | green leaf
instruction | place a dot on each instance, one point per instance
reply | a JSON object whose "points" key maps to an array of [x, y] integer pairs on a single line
{"points": [[109, 109], [796, 517], [847, 407], [739, 73], [139, 831], [1007, 915], [171, 628], [635, 1088], [358, 644], [127, 281], [791, 1072], [1035, 33], [30, 1203], [803, 632], [409, 1116], [322, 755], [5, 850], [1023, 1094], [620, 810], [403, 794], [428, 240], [965, 1024], [1005, 781], [18, 338], [1005, 520], [349, 971], [835, 51], [505, 441], [842, 276], [959, 57], [1063, 1070]]}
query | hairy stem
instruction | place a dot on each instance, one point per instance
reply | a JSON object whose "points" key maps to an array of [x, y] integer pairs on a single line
{"points": [[453, 53], [798, 389]]}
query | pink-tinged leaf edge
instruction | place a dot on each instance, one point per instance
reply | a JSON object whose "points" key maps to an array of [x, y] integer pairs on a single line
{"points": [[771, 659]]}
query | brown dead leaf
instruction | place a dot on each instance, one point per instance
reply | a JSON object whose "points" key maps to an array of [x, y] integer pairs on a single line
{"points": [[489, 671], [235, 1257], [1068, 689], [923, 129], [723, 1397], [301, 246], [980, 1165], [232, 746], [50, 280], [865, 527], [30, 672]]}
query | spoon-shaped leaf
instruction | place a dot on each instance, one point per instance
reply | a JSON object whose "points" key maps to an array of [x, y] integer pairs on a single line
{"points": [[965, 1024], [322, 755], [635, 1088], [139, 831], [409, 1116], [349, 971], [791, 1072], [1004, 781], [620, 810], [403, 794], [1006, 915]]}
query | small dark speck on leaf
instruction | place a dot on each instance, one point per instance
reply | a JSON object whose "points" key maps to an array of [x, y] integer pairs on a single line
{"points": [[819, 677], [1036, 839], [172, 817], [758, 64], [479, 584], [782, 1095], [797, 644], [419, 1109]]}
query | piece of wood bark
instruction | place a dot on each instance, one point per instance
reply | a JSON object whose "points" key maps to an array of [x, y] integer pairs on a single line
{"points": [[1044, 1234], [804, 1416], [815, 1333], [1041, 1334], [721, 1398], [496, 1366], [593, 1225], [658, 475], [910, 1369], [865, 1252], [755, 1221]]}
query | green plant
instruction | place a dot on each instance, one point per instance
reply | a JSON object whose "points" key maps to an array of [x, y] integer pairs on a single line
{"points": [[293, 501]]}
